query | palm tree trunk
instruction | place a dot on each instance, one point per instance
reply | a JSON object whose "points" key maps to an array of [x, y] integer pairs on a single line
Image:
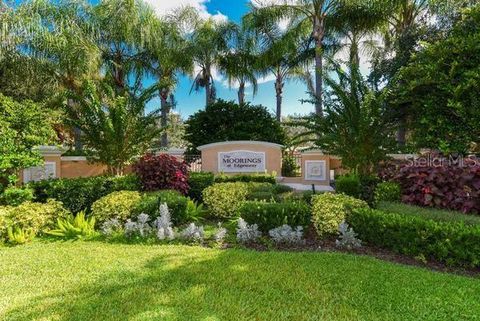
{"points": [[241, 93], [164, 110], [208, 93], [318, 32], [279, 91]]}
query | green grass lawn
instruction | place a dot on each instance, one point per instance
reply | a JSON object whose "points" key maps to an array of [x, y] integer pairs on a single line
{"points": [[429, 213], [99, 281]]}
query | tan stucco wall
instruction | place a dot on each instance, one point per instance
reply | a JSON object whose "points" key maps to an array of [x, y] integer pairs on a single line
{"points": [[273, 155], [80, 168]]}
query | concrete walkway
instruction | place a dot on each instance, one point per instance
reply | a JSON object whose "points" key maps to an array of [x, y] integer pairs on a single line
{"points": [[302, 187]]}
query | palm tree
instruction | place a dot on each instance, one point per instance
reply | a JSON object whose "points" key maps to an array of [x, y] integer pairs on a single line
{"points": [[169, 56], [125, 29], [60, 37], [240, 62], [283, 54], [323, 17], [209, 40]]}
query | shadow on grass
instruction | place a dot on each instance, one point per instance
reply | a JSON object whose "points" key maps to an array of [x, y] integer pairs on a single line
{"points": [[247, 285]]}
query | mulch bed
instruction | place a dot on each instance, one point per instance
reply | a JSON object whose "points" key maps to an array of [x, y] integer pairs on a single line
{"points": [[313, 244]]}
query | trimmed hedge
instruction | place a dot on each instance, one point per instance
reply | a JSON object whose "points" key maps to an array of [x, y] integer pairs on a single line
{"points": [[246, 178], [451, 242], [329, 210], [348, 185], [271, 215], [78, 194], [197, 183], [176, 202], [224, 199], [15, 196]]}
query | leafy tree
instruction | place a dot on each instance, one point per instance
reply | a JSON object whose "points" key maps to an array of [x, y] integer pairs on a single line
{"points": [[354, 127], [441, 89], [222, 121], [324, 18], [114, 126], [23, 125]]}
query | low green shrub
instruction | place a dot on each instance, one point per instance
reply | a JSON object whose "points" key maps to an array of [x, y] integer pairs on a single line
{"points": [[17, 235], [224, 199], [329, 210], [15, 196], [348, 185], [451, 242], [271, 215], [31, 218], [258, 178], [387, 192], [198, 182], [75, 227], [118, 205], [150, 203], [428, 213], [78, 194], [368, 185]]}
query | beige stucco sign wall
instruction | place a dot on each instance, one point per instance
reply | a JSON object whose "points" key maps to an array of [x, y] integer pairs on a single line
{"points": [[241, 157]]}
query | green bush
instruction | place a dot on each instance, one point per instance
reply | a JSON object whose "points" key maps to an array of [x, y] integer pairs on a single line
{"points": [[451, 242], [368, 185], [31, 217], [271, 215], [115, 205], [198, 182], [387, 192], [290, 167], [75, 227], [224, 199], [78, 194], [329, 210], [266, 191], [257, 178], [348, 185], [15, 196], [176, 202]]}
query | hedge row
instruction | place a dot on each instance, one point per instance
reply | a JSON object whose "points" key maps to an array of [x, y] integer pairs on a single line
{"points": [[453, 243]]}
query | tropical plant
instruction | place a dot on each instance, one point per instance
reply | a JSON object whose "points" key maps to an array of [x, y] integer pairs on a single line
{"points": [[222, 121], [355, 126], [209, 39], [239, 63], [74, 227], [115, 128], [169, 56], [17, 235], [323, 17]]}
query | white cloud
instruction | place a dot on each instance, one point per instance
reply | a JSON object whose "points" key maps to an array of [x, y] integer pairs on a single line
{"points": [[164, 7]]}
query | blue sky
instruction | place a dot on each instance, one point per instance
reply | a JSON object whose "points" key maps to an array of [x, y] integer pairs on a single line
{"points": [[190, 103]]}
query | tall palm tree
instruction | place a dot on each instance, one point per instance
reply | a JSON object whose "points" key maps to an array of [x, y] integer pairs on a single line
{"points": [[239, 64], [169, 56], [283, 54], [61, 38], [209, 39], [323, 17], [125, 29]]}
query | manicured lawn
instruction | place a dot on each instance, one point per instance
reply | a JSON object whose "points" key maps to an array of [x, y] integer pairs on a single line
{"points": [[429, 213], [98, 281]]}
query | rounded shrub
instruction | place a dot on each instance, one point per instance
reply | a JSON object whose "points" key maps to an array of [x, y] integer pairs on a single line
{"points": [[224, 199], [329, 210], [388, 192], [32, 217], [271, 215], [15, 196], [118, 205]]}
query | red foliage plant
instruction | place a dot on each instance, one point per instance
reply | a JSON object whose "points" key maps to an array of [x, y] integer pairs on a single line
{"points": [[162, 172], [449, 186]]}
